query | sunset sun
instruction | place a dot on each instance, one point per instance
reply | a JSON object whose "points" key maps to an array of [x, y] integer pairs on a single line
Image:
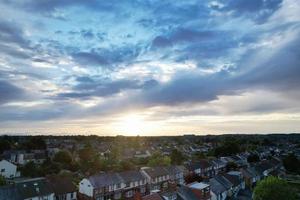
{"points": [[131, 124]]}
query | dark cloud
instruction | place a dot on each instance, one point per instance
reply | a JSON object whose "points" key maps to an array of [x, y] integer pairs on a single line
{"points": [[90, 58], [189, 88], [10, 32], [258, 10], [51, 5], [10, 92], [107, 57], [88, 87], [161, 42], [87, 34], [183, 35], [39, 113], [279, 73]]}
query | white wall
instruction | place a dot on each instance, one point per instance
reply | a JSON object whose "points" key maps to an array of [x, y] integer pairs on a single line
{"points": [[49, 197], [220, 197], [7, 169], [85, 187]]}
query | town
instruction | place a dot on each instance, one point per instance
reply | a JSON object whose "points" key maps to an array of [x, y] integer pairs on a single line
{"points": [[188, 167]]}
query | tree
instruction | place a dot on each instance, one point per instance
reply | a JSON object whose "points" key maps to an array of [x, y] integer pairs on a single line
{"points": [[176, 157], [230, 147], [49, 167], [126, 165], [4, 145], [199, 156], [35, 143], [292, 163], [191, 177], [159, 160], [30, 170], [2, 180], [64, 157], [275, 189], [253, 158], [87, 154], [231, 166]]}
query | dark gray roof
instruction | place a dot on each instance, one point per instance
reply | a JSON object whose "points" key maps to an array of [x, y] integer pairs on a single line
{"points": [[61, 185], [173, 169], [248, 173], [9, 192], [226, 183], [105, 179], [216, 186], [186, 193], [201, 164], [235, 180], [33, 188], [217, 162], [156, 171], [153, 196], [129, 176]]}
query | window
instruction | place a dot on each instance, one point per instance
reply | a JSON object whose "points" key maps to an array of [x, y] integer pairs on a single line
{"points": [[129, 194], [143, 190], [2, 170], [117, 196], [118, 185]]}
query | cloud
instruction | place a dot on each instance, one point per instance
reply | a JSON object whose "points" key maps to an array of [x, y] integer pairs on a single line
{"points": [[88, 87], [147, 54], [52, 5], [106, 57], [11, 33], [258, 10], [183, 35], [10, 92], [278, 70]]}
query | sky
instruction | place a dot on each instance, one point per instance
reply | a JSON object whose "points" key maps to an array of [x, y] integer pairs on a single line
{"points": [[149, 67]]}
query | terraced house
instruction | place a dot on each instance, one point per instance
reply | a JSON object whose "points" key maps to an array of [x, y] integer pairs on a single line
{"points": [[157, 177], [113, 185]]}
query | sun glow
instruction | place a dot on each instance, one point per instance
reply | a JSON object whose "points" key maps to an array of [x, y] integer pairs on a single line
{"points": [[131, 124]]}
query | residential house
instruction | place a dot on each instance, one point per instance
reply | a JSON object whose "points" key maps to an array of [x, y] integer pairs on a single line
{"points": [[154, 196], [15, 156], [251, 177], [114, 185], [7, 169], [135, 181], [102, 186], [157, 178], [176, 173], [200, 190], [35, 189], [142, 154], [239, 161], [39, 157], [217, 190], [9, 192], [202, 168], [170, 194], [219, 166], [264, 168], [225, 183], [236, 178], [63, 188], [22, 157]]}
